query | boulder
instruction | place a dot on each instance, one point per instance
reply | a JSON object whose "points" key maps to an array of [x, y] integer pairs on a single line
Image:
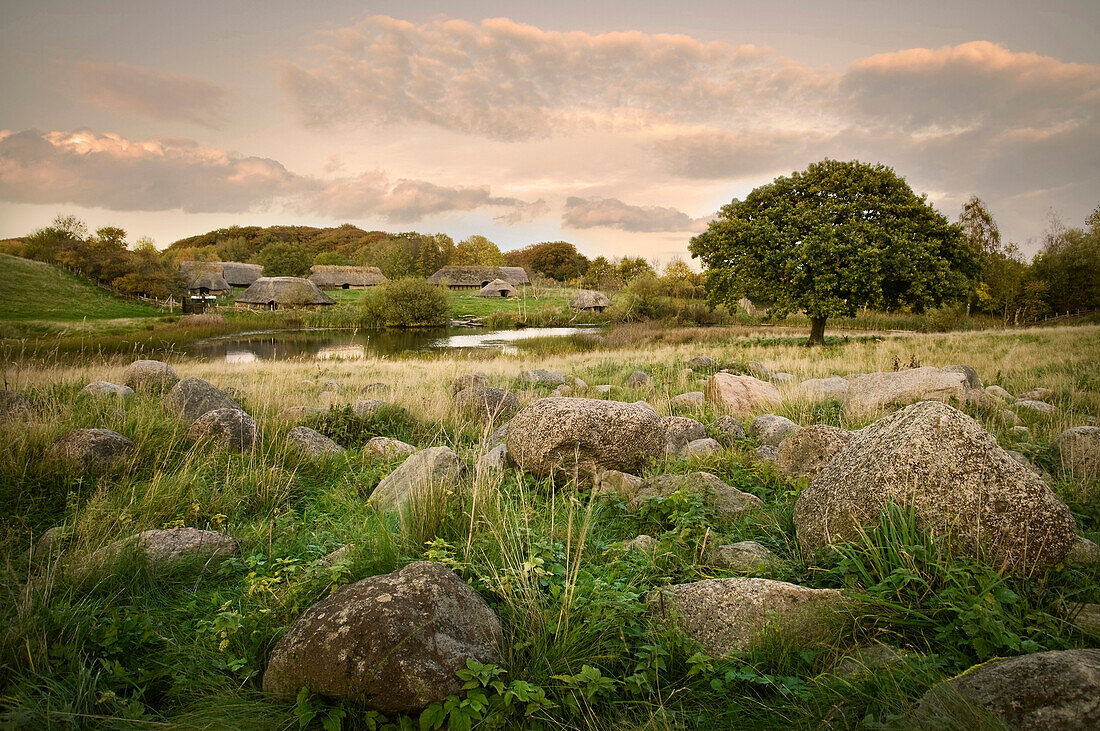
{"points": [[367, 408], [1009, 417], [230, 428], [689, 400], [833, 388], [192, 397], [679, 431], [539, 377], [1079, 451], [165, 549], [149, 376], [424, 475], [637, 379], [1035, 407], [870, 392], [1020, 431], [1044, 691], [998, 393], [48, 543], [701, 448], [642, 544], [702, 362], [14, 406], [1086, 617], [386, 448], [99, 389], [497, 436], [940, 463], [758, 369], [565, 434], [729, 429], [330, 385], [725, 500], [620, 484], [782, 378], [298, 414], [866, 659], [603, 388], [495, 460], [728, 616], [313, 443], [973, 382], [1084, 552], [741, 395], [90, 449], [806, 451], [487, 402], [1038, 394], [392, 642], [746, 557], [562, 391], [771, 430], [469, 380]]}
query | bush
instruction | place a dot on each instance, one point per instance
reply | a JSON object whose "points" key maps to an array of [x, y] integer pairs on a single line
{"points": [[409, 302]]}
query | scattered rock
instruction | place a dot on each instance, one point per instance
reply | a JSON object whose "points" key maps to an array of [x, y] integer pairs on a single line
{"points": [[97, 389], [340, 555], [387, 448], [833, 388], [637, 379], [701, 448], [603, 388], [863, 660], [497, 436], [165, 549], [758, 369], [192, 397], [149, 376], [1044, 691], [495, 460], [14, 406], [771, 430], [973, 382], [298, 414], [330, 385], [539, 377], [741, 395], [613, 482], [1022, 459], [392, 642], [1039, 407], [1038, 394], [47, 544], [469, 380], [1079, 451], [679, 431], [725, 500], [377, 388], [746, 557], [702, 362], [939, 462], [727, 616], [870, 392], [766, 453], [1086, 617], [998, 393], [1009, 417], [729, 429], [689, 400], [230, 428], [1083, 552], [1020, 431], [782, 378], [565, 434], [806, 451], [642, 544], [90, 449], [562, 391], [424, 475], [367, 408], [487, 402], [313, 443]]}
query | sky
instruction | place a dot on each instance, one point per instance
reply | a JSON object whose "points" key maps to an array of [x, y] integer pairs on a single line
{"points": [[619, 126]]}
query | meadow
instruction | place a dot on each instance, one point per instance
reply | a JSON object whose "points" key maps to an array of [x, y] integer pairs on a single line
{"points": [[137, 648]]}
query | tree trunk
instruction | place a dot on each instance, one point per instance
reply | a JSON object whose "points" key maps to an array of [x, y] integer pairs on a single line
{"points": [[817, 332]]}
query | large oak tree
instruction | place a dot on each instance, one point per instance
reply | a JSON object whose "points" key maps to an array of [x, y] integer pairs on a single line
{"points": [[831, 239]]}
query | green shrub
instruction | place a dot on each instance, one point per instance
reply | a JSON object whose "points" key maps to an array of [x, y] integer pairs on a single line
{"points": [[409, 302]]}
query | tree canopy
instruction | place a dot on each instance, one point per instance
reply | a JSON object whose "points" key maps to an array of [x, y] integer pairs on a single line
{"points": [[477, 251], [558, 260], [831, 239], [284, 259]]}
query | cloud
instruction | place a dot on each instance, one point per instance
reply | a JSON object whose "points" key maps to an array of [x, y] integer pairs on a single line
{"points": [[613, 213], [505, 80], [716, 153], [110, 171], [125, 89]]}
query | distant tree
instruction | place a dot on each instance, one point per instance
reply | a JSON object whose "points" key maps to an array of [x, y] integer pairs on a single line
{"points": [[331, 258], [284, 259], [678, 280], [235, 248], [1069, 266], [435, 251], [630, 268], [477, 250], [558, 260], [65, 232], [997, 287], [602, 274], [831, 239]]}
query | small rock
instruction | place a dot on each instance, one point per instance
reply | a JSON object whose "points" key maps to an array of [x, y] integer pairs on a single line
{"points": [[833, 388], [689, 400], [637, 379], [46, 544], [1040, 407], [469, 380], [539, 377], [377, 388], [340, 555], [497, 437], [1079, 451], [386, 448], [105, 389], [150, 376], [489, 403], [313, 443], [424, 475], [1038, 394], [805, 452], [702, 362], [725, 500], [701, 448], [782, 378], [998, 393], [495, 460], [90, 449], [972, 380], [367, 408], [14, 406], [579, 384], [771, 430], [679, 431], [1009, 417], [741, 395], [766, 453], [1083, 552], [729, 429], [642, 544], [621, 484], [863, 660], [1020, 431], [230, 428], [192, 397], [1086, 617], [563, 391], [330, 385], [758, 369], [746, 557], [603, 388]]}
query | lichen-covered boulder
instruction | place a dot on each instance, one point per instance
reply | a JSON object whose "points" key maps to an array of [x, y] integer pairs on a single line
{"points": [[689, 400], [1043, 691], [1084, 552], [392, 642], [230, 428], [487, 402], [101, 389], [727, 616], [701, 448], [424, 475], [1079, 451], [729, 429], [387, 448], [679, 431], [973, 382], [149, 376], [726, 501], [565, 434], [955, 477], [870, 392], [165, 549], [192, 397], [746, 557], [771, 430], [741, 395], [807, 450], [90, 449], [833, 388], [766, 453], [312, 443]]}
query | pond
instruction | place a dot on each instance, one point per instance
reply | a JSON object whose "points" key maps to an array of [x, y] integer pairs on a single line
{"points": [[325, 344]]}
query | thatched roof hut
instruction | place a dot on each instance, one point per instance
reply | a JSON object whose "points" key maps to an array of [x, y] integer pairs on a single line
{"points": [[239, 274], [476, 277], [274, 293], [589, 299], [497, 288], [203, 277], [331, 276]]}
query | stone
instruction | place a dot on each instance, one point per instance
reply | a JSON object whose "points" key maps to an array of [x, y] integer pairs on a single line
{"points": [[1079, 451], [833, 388], [562, 391], [330, 385], [230, 428], [90, 449], [539, 377], [566, 434], [938, 462], [746, 557], [619, 484], [637, 379], [487, 402], [192, 397], [729, 429], [741, 395], [469, 380], [1086, 617], [387, 448], [495, 460], [642, 544], [766, 453], [1044, 691], [866, 659], [771, 430], [166, 549], [313, 443], [998, 393], [701, 448], [1009, 417], [1083, 552], [48, 543], [1021, 431], [377, 388], [870, 392], [298, 414], [805, 452], [726, 501], [1036, 407], [973, 382], [758, 369], [14, 406], [367, 408], [342, 554], [1022, 459], [424, 475], [782, 378], [579, 384], [689, 400], [392, 642], [1038, 394], [101, 389], [497, 436], [679, 431], [149, 376], [603, 388], [702, 362], [728, 616]]}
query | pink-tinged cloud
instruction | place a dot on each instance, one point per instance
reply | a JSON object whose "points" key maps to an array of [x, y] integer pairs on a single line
{"points": [[580, 213], [124, 89]]}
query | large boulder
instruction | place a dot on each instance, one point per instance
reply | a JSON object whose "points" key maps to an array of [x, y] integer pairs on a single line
{"points": [[833, 388], [741, 395], [771, 430], [424, 475], [1079, 451], [14, 406], [230, 428], [101, 389], [192, 397], [870, 392], [90, 449], [486, 401], [679, 432], [937, 461], [807, 450], [312, 443], [727, 616], [726, 501], [564, 434], [392, 642], [1044, 691], [149, 376]]}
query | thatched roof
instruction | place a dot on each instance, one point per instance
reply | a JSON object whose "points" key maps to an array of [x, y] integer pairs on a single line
{"points": [[333, 276], [464, 276], [589, 299], [203, 275], [240, 274], [497, 288], [285, 291]]}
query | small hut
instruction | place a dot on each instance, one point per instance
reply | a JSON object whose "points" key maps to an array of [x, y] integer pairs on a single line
{"points": [[279, 293], [331, 276], [497, 288], [203, 278], [476, 277], [590, 299], [239, 274]]}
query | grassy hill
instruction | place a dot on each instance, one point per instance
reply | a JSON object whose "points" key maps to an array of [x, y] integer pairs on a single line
{"points": [[33, 291]]}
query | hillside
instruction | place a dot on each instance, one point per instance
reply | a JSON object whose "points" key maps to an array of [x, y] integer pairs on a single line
{"points": [[33, 290]]}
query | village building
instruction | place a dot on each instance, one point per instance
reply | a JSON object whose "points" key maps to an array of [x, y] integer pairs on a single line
{"points": [[590, 299], [332, 276], [476, 277], [239, 274], [497, 288], [203, 278], [283, 293]]}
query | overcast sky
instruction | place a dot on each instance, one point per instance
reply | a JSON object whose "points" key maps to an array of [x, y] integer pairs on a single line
{"points": [[619, 126]]}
